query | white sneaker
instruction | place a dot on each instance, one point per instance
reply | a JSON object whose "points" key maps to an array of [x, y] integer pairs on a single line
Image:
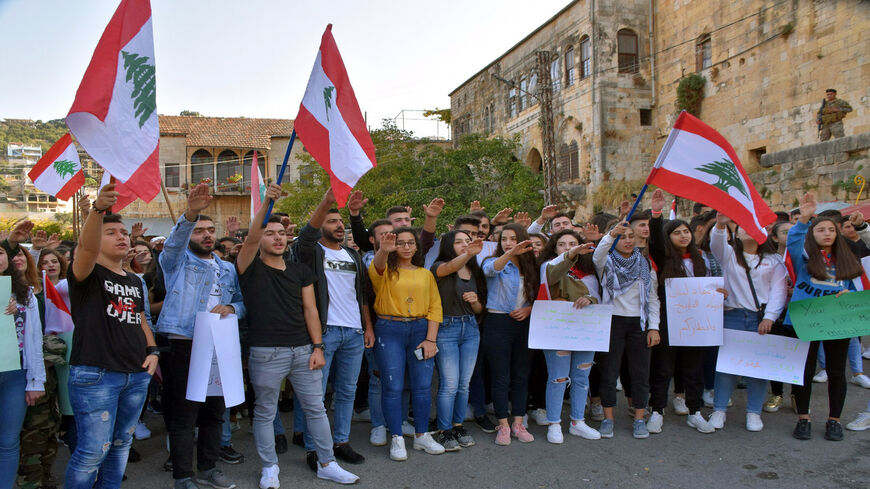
{"points": [[861, 380], [708, 398], [753, 422], [364, 415], [540, 417], [581, 429], [679, 407], [428, 444], [866, 353], [408, 429], [699, 423], [142, 432], [554, 434], [378, 436], [397, 449], [861, 423], [269, 478], [656, 420], [333, 472], [821, 377], [596, 411], [717, 419], [618, 384]]}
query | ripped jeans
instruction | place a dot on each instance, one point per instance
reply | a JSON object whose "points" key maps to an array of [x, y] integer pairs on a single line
{"points": [[564, 368], [106, 406]]}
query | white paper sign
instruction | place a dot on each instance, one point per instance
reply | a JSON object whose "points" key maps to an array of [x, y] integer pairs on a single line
{"points": [[767, 356], [694, 311], [557, 325], [216, 340]]}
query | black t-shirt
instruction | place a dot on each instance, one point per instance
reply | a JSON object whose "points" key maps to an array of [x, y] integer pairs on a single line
{"points": [[451, 289], [106, 311], [273, 300]]}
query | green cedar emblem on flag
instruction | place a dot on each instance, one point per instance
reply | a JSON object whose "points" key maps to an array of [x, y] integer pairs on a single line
{"points": [[64, 168], [144, 86], [727, 174], [327, 100]]}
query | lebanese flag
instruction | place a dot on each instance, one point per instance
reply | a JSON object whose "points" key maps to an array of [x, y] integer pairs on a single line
{"points": [[114, 115], [258, 188], [57, 316], [331, 124], [697, 163], [59, 171], [673, 215]]}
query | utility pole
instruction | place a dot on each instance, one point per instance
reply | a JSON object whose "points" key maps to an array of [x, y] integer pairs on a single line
{"points": [[545, 97]]}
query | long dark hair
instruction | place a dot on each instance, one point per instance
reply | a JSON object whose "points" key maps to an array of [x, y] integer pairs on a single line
{"points": [[847, 265], [20, 289], [446, 252], [673, 265], [393, 257], [737, 243], [528, 270], [549, 252]]}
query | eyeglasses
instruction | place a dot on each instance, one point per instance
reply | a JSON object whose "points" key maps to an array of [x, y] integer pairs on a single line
{"points": [[405, 244]]}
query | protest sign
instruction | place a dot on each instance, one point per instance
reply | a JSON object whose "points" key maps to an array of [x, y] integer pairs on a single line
{"points": [[10, 359], [216, 340], [831, 317], [558, 325], [769, 356], [694, 311]]}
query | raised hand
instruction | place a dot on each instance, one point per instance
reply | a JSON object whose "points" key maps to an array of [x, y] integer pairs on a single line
{"points": [[503, 216], [549, 212], [53, 242], [20, 232], [857, 219], [84, 204], [523, 219], [233, 225], [591, 232], [355, 202], [328, 196], [106, 198], [807, 206], [388, 243], [624, 208], [138, 230], [722, 220], [434, 208], [658, 201], [39, 240], [475, 206], [273, 192], [581, 249], [475, 247], [198, 199], [520, 248], [620, 229]]}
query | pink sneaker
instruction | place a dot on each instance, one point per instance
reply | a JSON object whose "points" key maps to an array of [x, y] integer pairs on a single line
{"points": [[520, 432], [502, 435]]}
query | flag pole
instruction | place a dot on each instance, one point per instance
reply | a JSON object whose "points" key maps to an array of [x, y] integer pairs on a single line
{"points": [[281, 173], [166, 198], [631, 212]]}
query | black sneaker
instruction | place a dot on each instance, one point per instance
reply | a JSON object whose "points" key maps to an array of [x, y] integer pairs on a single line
{"points": [[802, 430], [311, 460], [134, 456], [281, 443], [346, 453], [230, 456], [465, 440], [833, 430], [445, 439], [485, 424], [298, 439]]}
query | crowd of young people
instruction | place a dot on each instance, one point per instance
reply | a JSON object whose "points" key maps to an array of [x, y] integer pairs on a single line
{"points": [[384, 312]]}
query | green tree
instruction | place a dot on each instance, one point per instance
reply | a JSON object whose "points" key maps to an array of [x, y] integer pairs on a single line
{"points": [[443, 115], [144, 85], [190, 113]]}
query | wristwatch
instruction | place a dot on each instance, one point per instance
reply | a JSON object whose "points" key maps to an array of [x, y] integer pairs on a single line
{"points": [[319, 345], [152, 350]]}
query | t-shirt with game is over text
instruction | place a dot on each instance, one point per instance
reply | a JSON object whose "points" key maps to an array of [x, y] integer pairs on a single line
{"points": [[106, 310]]}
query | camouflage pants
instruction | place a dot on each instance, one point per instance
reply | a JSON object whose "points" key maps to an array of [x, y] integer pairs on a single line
{"points": [[834, 129], [39, 436]]}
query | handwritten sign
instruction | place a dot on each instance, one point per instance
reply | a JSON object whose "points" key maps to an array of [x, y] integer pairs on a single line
{"points": [[694, 311], [767, 356], [216, 344], [557, 325], [10, 358], [831, 317]]}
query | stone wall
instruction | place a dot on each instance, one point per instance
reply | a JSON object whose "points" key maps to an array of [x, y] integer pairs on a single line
{"points": [[826, 169]]}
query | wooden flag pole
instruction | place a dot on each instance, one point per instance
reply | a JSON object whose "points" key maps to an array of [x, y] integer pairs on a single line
{"points": [[280, 173], [166, 198]]}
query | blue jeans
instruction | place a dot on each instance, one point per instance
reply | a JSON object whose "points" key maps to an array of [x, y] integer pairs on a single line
{"points": [[106, 406], [395, 342], [756, 389], [856, 362], [375, 409], [564, 367], [458, 340], [344, 348], [12, 385]]}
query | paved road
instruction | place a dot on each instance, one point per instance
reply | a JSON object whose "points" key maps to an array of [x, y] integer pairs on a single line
{"points": [[679, 457]]}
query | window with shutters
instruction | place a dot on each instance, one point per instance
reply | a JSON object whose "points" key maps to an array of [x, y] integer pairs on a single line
{"points": [[626, 41]]}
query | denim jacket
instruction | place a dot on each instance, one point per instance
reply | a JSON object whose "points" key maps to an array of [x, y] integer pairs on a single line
{"points": [[188, 282], [502, 286]]}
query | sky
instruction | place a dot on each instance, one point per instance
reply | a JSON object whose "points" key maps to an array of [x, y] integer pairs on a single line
{"points": [[252, 58]]}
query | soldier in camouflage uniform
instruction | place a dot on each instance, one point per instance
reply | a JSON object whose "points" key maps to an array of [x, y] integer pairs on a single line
{"points": [[830, 116], [41, 424]]}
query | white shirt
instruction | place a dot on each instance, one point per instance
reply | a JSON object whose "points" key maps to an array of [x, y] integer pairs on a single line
{"points": [[340, 271], [627, 304]]}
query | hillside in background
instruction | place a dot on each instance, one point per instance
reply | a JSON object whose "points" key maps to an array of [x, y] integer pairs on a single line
{"points": [[30, 132]]}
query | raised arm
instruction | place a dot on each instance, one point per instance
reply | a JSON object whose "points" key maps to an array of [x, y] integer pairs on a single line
{"points": [[454, 265], [91, 236], [255, 231], [357, 227]]}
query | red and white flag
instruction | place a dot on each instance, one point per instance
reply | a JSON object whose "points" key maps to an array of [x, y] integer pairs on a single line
{"points": [[114, 115], [57, 316], [673, 214], [258, 188], [697, 163], [59, 171], [331, 124]]}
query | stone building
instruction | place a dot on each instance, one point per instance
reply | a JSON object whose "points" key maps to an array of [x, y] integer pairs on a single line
{"points": [[615, 67]]}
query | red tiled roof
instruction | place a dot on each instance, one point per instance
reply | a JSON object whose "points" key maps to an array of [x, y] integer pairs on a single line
{"points": [[235, 132]]}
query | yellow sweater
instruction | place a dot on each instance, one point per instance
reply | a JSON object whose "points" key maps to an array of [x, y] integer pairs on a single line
{"points": [[408, 293]]}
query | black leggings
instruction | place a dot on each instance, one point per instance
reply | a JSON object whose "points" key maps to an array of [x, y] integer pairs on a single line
{"points": [[836, 352]]}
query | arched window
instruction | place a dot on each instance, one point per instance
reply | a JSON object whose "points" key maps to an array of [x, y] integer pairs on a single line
{"points": [[569, 67], [227, 167], [585, 57], [569, 162], [534, 161], [246, 167], [201, 166], [626, 41]]}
